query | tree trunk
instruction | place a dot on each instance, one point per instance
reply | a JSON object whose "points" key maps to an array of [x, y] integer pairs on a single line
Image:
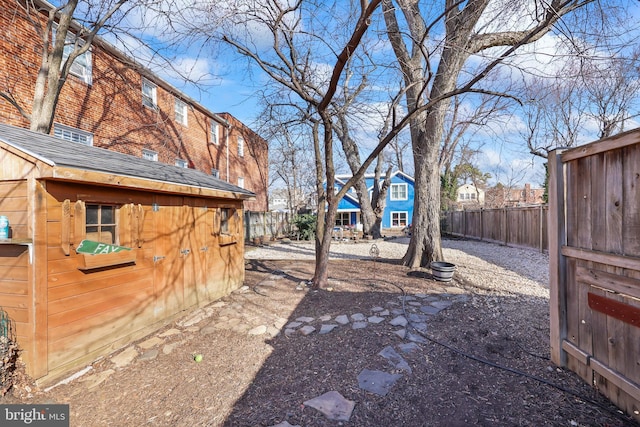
{"points": [[425, 245]]}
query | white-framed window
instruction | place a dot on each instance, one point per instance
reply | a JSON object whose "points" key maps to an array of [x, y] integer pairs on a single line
{"points": [[181, 111], [241, 181], [343, 219], [83, 64], [399, 192], [213, 133], [149, 94], [149, 155], [181, 163], [71, 134], [215, 173], [399, 219], [240, 146]]}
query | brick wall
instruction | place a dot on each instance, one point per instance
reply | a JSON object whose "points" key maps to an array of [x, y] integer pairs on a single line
{"points": [[111, 109]]}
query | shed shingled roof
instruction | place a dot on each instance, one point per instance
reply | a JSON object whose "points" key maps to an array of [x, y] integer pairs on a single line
{"points": [[58, 152]]}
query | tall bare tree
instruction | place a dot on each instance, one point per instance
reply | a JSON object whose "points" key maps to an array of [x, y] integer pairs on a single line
{"points": [[66, 32], [432, 74]]}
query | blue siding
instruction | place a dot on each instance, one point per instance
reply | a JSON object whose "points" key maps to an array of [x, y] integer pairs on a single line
{"points": [[405, 206], [399, 205]]}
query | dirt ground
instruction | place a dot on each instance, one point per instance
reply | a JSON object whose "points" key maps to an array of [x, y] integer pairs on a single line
{"points": [[257, 380]]}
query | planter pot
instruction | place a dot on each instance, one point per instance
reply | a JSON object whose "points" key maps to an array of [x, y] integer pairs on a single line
{"points": [[442, 271]]}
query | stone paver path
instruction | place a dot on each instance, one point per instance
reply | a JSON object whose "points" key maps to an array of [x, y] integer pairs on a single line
{"points": [[407, 316]]}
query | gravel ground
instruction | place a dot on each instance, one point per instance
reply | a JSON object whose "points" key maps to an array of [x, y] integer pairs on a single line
{"points": [[486, 266]]}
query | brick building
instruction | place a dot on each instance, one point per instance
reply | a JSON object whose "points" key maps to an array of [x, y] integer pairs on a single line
{"points": [[504, 197], [111, 101]]}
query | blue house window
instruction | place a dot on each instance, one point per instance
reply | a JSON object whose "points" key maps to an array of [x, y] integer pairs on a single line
{"points": [[399, 192], [399, 219], [342, 219]]}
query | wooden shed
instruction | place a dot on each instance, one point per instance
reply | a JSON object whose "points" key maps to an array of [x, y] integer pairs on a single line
{"points": [[105, 247]]}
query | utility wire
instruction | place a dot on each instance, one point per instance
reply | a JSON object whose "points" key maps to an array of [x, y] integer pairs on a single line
{"points": [[517, 372]]}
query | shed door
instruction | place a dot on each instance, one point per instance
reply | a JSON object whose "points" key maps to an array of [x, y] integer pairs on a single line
{"points": [[170, 232]]}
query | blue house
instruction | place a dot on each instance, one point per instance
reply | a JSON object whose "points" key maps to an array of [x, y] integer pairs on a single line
{"points": [[398, 211]]}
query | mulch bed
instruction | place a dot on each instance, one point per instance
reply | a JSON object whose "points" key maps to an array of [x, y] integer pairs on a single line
{"points": [[247, 380]]}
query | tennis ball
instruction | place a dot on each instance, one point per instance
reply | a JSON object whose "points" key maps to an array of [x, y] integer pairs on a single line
{"points": [[197, 358]]}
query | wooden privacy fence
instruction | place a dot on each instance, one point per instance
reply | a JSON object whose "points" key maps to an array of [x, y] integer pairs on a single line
{"points": [[520, 226], [266, 225], [594, 257]]}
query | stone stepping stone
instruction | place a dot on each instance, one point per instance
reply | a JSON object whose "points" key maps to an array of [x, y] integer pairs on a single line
{"points": [[285, 424], [416, 338], [149, 355], [305, 319], [408, 347], [306, 330], [383, 313], [358, 317], [342, 319], [125, 357], [377, 382], [377, 309], [430, 310], [258, 330], [325, 329], [442, 304], [359, 325], [414, 303], [407, 298], [420, 326], [418, 318], [324, 318], [375, 319], [169, 332], [293, 325], [289, 332], [398, 321], [333, 405], [151, 342], [395, 359], [397, 311], [401, 333], [454, 290]]}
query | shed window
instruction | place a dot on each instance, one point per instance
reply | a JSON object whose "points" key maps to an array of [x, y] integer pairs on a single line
{"points": [[225, 218], [101, 223]]}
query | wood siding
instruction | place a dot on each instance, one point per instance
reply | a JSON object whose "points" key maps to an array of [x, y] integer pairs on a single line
{"points": [[15, 272], [595, 265], [178, 264]]}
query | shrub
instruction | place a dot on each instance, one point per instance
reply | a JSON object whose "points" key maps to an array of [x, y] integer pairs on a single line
{"points": [[306, 225]]}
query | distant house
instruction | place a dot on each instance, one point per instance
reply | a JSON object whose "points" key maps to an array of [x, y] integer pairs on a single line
{"points": [[469, 196], [398, 212], [501, 196]]}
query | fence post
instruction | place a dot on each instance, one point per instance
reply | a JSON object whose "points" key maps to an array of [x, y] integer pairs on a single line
{"points": [[557, 262]]}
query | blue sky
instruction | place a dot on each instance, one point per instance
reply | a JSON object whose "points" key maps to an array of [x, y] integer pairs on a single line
{"points": [[231, 87]]}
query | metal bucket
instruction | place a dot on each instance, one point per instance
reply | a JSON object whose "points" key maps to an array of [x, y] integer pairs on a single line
{"points": [[442, 271]]}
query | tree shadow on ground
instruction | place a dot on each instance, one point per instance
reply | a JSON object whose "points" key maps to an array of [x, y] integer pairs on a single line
{"points": [[444, 388]]}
